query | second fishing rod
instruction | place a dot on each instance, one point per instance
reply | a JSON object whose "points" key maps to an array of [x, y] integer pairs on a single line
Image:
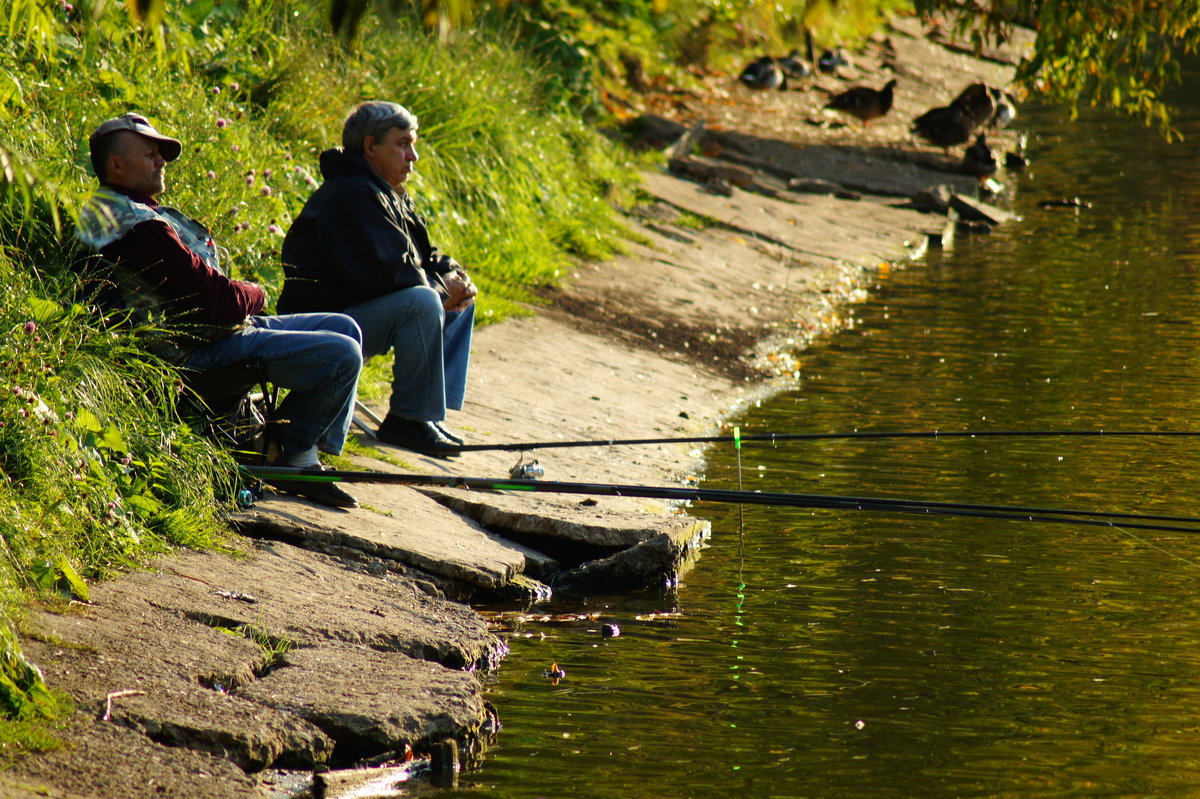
{"points": [[1156, 522], [772, 439]]}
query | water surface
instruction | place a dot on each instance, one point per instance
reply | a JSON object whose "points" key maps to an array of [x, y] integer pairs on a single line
{"points": [[831, 653]]}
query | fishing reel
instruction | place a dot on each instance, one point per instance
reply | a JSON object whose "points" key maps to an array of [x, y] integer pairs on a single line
{"points": [[526, 471]]}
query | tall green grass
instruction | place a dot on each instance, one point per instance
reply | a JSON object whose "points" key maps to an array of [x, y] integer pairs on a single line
{"points": [[97, 472]]}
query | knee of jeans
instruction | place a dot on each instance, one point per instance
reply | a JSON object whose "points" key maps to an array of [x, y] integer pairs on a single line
{"points": [[429, 303], [346, 326], [348, 351]]}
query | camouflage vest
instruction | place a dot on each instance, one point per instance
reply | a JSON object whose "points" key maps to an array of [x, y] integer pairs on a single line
{"points": [[107, 216]]}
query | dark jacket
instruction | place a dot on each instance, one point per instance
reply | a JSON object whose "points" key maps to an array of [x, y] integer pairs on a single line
{"points": [[355, 240]]}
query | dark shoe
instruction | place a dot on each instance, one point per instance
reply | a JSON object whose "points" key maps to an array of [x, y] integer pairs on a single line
{"points": [[329, 494], [456, 440], [417, 436]]}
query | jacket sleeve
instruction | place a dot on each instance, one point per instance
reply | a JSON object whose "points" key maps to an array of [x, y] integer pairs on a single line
{"points": [[438, 263], [154, 251]]}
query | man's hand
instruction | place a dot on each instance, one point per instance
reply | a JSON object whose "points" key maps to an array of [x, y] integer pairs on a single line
{"points": [[462, 291]]}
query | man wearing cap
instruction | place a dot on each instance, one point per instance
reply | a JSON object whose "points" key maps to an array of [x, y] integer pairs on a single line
{"points": [[161, 264], [360, 247]]}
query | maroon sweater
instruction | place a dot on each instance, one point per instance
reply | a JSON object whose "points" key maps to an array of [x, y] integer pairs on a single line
{"points": [[205, 295]]}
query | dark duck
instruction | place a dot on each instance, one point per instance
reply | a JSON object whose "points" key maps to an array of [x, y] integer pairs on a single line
{"points": [[979, 102], [864, 102], [952, 125], [979, 160], [830, 60], [794, 65], [763, 73]]}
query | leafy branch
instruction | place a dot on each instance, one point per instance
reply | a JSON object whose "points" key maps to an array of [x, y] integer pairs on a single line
{"points": [[1121, 54]]}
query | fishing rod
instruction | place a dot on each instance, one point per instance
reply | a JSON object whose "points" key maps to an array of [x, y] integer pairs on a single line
{"points": [[776, 438], [1160, 523]]}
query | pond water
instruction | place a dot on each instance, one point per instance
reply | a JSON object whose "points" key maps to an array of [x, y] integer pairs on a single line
{"points": [[848, 653]]}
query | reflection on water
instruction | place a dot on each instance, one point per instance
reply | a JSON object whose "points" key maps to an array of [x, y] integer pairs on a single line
{"points": [[823, 653]]}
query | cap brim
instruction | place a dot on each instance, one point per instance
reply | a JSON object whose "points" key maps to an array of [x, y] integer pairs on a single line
{"points": [[168, 148]]}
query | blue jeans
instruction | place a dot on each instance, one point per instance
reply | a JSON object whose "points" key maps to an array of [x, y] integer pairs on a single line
{"points": [[432, 349], [315, 356]]}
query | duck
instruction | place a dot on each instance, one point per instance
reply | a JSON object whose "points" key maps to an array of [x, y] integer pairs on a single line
{"points": [[979, 160], [794, 65], [830, 60], [1015, 162], [763, 72], [978, 102], [954, 124], [945, 127], [864, 102]]}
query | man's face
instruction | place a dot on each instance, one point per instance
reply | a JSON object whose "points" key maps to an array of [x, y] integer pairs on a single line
{"points": [[136, 163], [392, 157]]}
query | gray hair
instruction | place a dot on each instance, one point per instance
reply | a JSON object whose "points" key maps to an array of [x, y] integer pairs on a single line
{"points": [[374, 119]]}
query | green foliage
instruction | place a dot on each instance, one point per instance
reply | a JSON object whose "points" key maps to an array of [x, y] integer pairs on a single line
{"points": [[1115, 53], [593, 48], [94, 472], [23, 692]]}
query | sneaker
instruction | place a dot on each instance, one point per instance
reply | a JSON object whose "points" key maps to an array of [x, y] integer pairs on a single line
{"points": [[329, 494], [415, 435], [453, 438]]}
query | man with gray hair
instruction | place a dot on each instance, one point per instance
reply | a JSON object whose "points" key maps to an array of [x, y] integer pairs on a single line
{"points": [[359, 247]]}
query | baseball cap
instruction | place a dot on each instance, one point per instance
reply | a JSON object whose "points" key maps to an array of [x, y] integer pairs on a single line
{"points": [[169, 148]]}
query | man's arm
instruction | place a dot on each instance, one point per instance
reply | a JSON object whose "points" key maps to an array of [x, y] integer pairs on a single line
{"points": [[445, 274], [155, 252]]}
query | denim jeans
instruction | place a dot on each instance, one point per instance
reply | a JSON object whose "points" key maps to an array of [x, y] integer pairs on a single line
{"points": [[316, 357], [432, 349]]}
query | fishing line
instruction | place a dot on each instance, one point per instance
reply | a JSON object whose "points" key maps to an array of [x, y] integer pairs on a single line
{"points": [[1162, 523], [778, 438], [1159, 547]]}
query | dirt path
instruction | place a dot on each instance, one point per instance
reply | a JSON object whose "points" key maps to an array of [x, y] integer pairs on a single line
{"points": [[354, 642]]}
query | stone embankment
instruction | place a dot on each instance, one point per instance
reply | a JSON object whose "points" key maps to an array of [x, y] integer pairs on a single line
{"points": [[342, 638]]}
